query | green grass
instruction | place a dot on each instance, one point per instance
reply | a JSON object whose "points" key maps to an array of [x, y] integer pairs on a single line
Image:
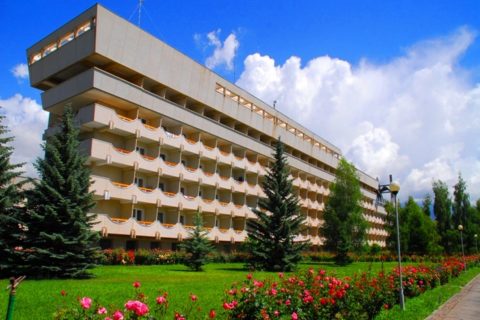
{"points": [[422, 306], [38, 299]]}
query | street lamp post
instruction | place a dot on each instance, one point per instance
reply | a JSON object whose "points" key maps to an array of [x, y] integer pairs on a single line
{"points": [[393, 188], [476, 242], [460, 228]]}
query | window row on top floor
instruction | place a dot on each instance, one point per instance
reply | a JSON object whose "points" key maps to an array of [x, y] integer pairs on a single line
{"points": [[63, 40]]}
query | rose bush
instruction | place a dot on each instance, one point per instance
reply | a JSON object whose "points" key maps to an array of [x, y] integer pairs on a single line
{"points": [[305, 295]]}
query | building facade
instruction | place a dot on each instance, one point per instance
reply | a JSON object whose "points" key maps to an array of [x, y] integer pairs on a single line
{"points": [[166, 137]]}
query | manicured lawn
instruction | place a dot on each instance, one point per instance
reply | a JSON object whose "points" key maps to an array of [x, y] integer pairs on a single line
{"points": [[425, 304], [38, 299]]}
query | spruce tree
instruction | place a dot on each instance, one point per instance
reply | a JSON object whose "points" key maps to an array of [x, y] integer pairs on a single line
{"points": [[344, 227], [271, 235], [12, 228], [60, 236], [197, 246]]}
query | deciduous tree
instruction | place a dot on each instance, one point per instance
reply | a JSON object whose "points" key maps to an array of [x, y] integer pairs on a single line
{"points": [[344, 227]]}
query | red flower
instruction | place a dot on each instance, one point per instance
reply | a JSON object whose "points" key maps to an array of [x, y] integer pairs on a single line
{"points": [[212, 314], [136, 284]]}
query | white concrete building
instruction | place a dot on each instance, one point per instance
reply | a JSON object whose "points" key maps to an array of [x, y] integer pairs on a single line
{"points": [[166, 137]]}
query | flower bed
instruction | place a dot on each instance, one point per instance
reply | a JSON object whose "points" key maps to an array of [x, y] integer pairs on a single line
{"points": [[305, 295], [161, 257]]}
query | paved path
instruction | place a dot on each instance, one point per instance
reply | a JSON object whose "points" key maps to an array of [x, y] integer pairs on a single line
{"points": [[465, 305]]}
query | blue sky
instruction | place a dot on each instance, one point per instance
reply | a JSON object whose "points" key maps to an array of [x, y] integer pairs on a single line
{"points": [[374, 72]]}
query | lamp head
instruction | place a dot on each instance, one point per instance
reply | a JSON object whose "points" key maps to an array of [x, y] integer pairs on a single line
{"points": [[475, 236], [460, 227], [394, 187]]}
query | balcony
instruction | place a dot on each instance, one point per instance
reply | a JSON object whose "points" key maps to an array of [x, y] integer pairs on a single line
{"points": [[154, 229]]}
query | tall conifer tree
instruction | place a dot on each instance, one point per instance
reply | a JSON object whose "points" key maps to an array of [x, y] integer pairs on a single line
{"points": [[11, 196], [279, 221], [60, 238]]}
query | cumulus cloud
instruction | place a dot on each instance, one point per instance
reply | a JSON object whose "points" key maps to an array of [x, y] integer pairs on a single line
{"points": [[223, 53], [20, 71], [26, 121], [414, 116]]}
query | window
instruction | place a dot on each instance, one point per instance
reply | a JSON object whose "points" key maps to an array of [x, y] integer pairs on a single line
{"points": [[131, 245], [154, 245], [83, 28], [144, 121], [140, 150], [49, 49], [174, 246], [160, 217], [66, 39], [138, 214], [182, 190], [182, 219], [162, 156], [139, 182], [106, 244], [200, 193], [161, 186], [184, 163], [217, 223]]}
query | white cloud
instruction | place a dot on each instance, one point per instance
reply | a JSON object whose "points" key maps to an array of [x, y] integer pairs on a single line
{"points": [[223, 53], [20, 71], [415, 117], [26, 121]]}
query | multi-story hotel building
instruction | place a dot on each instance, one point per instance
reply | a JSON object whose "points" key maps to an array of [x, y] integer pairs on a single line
{"points": [[167, 137]]}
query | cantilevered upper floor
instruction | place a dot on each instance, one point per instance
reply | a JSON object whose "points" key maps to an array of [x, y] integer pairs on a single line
{"points": [[95, 50]]}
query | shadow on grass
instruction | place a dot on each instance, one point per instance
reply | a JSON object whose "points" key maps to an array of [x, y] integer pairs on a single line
{"points": [[234, 269]]}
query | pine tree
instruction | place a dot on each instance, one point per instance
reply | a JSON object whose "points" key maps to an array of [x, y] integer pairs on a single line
{"points": [[271, 235], [60, 237], [11, 212], [197, 246], [344, 227]]}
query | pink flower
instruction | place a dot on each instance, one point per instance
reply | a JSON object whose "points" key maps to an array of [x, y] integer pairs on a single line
{"points": [[102, 310], [193, 297], [138, 307], [118, 315], [63, 293], [86, 302], [288, 302], [136, 284], [276, 313], [294, 316], [249, 276], [280, 275], [161, 300], [230, 306]]}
